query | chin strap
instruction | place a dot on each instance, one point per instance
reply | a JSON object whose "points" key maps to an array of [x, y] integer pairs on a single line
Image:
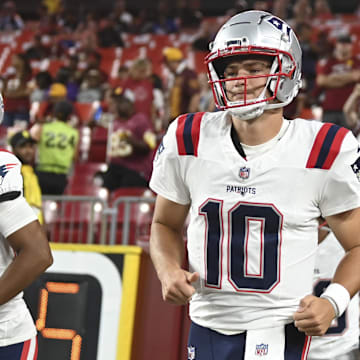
{"points": [[248, 112]]}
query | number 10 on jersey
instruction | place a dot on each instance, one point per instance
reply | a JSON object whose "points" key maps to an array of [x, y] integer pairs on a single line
{"points": [[253, 245]]}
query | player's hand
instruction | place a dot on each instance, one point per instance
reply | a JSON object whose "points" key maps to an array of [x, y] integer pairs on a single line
{"points": [[177, 286], [314, 315]]}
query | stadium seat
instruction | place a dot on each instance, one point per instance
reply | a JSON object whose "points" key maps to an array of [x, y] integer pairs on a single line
{"points": [[98, 143], [84, 111]]}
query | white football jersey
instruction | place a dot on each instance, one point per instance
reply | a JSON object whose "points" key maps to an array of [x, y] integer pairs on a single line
{"points": [[252, 234], [16, 324], [343, 335]]}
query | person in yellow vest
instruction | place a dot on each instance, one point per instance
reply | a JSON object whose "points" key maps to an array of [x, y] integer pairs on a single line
{"points": [[24, 147], [57, 149]]}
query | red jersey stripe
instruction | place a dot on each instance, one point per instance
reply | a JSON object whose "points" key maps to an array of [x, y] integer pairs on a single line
{"points": [[319, 140], [36, 349], [195, 131], [335, 148], [306, 348], [25, 351], [179, 134]]}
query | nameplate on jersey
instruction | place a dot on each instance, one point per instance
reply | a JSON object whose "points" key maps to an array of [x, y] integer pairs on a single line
{"points": [[188, 133], [326, 146]]}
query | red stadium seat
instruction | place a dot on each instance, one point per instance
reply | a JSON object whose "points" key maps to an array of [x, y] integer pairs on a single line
{"points": [[84, 111], [98, 143]]}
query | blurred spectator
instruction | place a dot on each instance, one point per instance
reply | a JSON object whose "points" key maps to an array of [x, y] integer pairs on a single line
{"points": [[92, 60], [86, 34], [164, 21], [9, 18], [24, 147], [183, 90], [53, 6], [352, 110], [122, 76], [159, 100], [280, 8], [43, 81], [90, 89], [132, 144], [47, 22], [262, 5], [190, 14], [58, 149], [322, 10], [143, 20], [301, 10], [37, 50], [16, 91], [108, 35], [142, 87], [206, 102], [189, 19], [337, 77], [70, 76], [309, 55], [57, 92], [204, 37], [122, 17], [239, 6]]}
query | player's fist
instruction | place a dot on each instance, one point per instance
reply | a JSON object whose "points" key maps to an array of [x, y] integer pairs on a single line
{"points": [[177, 286], [314, 315]]}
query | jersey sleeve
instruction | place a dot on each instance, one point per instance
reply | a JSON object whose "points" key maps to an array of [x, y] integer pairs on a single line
{"points": [[341, 191], [14, 215], [11, 181], [167, 178]]}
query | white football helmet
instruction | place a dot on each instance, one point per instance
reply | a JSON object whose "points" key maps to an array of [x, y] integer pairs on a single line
{"points": [[1, 108], [256, 33]]}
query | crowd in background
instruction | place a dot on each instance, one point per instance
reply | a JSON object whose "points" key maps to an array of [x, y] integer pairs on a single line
{"points": [[142, 98]]}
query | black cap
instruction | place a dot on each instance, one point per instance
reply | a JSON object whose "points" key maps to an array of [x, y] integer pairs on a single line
{"points": [[344, 38], [63, 109], [21, 138]]}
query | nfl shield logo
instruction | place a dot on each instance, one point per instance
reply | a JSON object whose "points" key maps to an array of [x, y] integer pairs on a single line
{"points": [[244, 173], [191, 353], [261, 349]]}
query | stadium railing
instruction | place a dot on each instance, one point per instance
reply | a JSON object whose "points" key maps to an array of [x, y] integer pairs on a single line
{"points": [[92, 220]]}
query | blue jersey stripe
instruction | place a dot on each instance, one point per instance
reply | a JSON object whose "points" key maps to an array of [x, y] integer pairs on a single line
{"points": [[326, 146], [189, 146]]}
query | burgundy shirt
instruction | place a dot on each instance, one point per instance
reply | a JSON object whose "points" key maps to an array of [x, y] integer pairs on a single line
{"points": [[143, 93], [138, 124], [335, 98], [185, 86]]}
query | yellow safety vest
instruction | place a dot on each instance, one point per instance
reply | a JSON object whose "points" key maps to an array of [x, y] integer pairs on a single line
{"points": [[32, 192]]}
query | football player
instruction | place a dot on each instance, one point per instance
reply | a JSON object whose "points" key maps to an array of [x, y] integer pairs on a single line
{"points": [[24, 255], [341, 341], [254, 184]]}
